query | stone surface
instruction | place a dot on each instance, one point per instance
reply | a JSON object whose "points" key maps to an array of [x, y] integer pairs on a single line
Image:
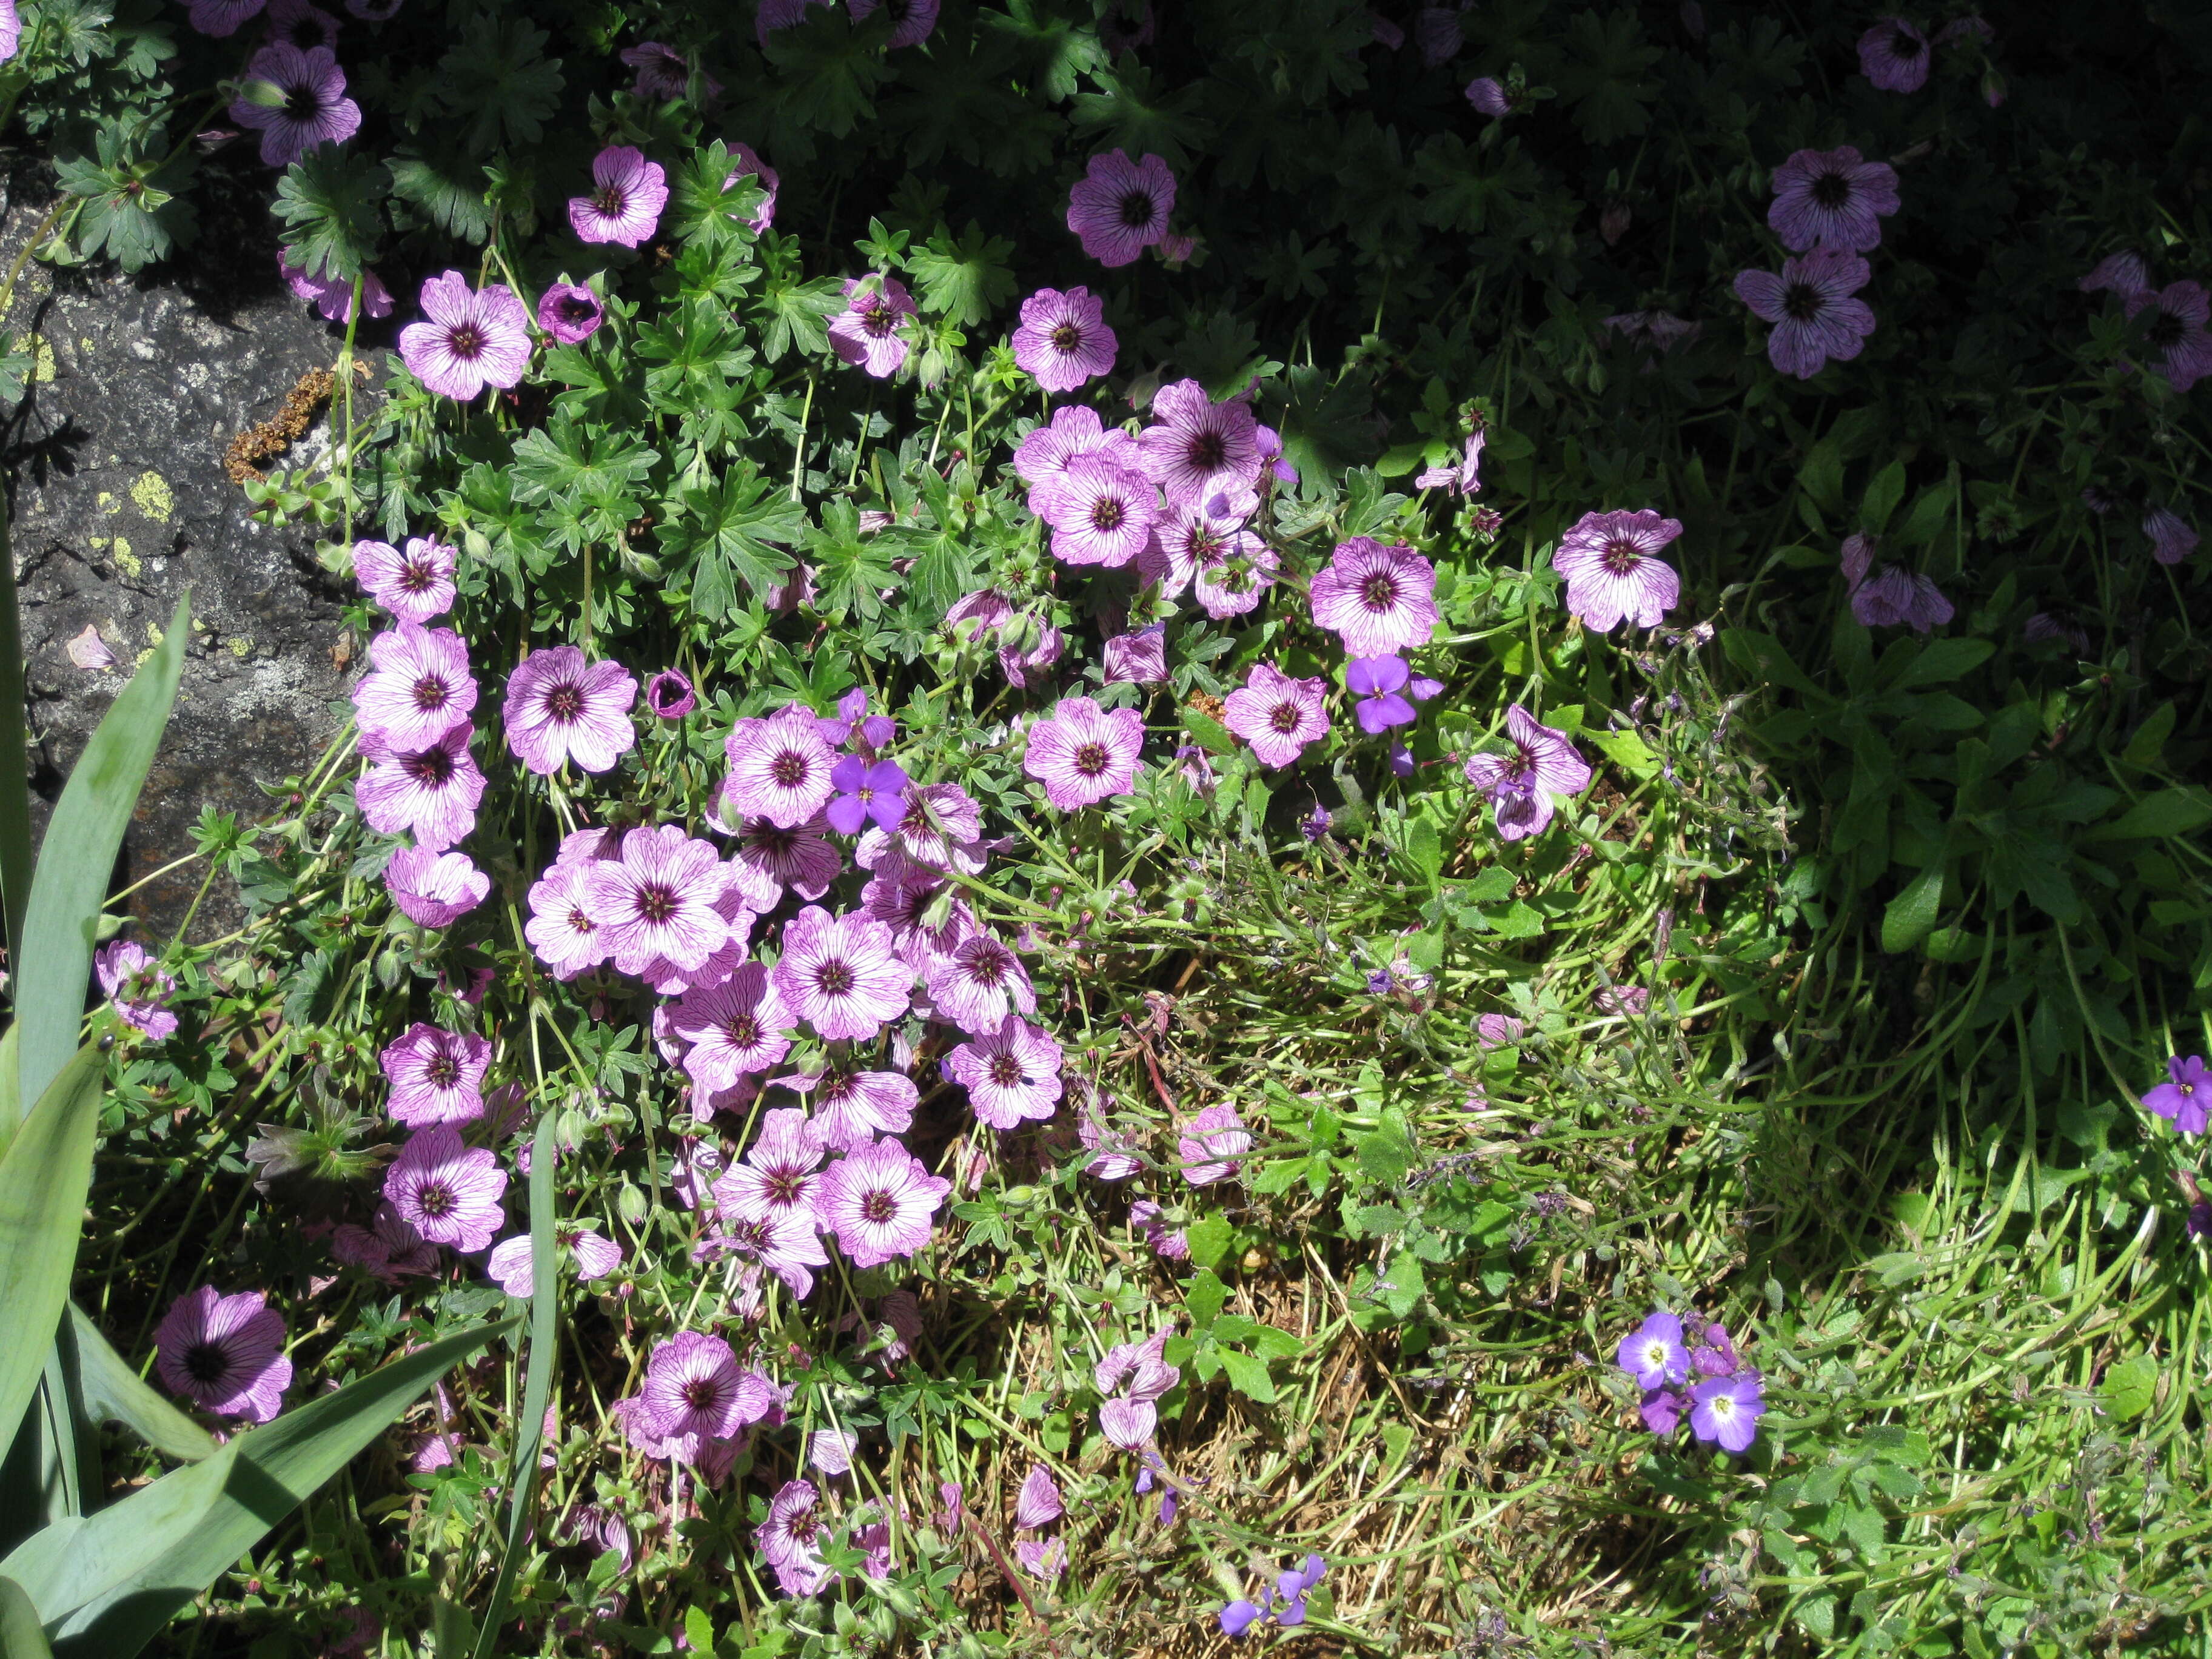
{"points": [[121, 503]]}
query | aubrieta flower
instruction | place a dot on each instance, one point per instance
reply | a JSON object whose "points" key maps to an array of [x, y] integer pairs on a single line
{"points": [[878, 1201], [436, 1076], [414, 585], [447, 1192], [1520, 785], [2171, 538], [1085, 754], [841, 975], [853, 725], [911, 20], [1049, 450], [1100, 512], [694, 1391], [1119, 208], [1831, 196], [1613, 572], [138, 989], [471, 339], [736, 1029], [296, 100], [562, 708], [1136, 658], [2177, 333], [669, 695], [512, 1267], [418, 686], [2186, 1098], [1727, 1409], [659, 899], [225, 1353], [1063, 340], [1038, 1503], [1277, 716], [1894, 56], [779, 768], [978, 983], [1012, 1074], [1811, 309], [433, 792], [1377, 683], [1213, 1146], [333, 295], [1378, 600], [2124, 273], [865, 332], [628, 193], [1197, 447], [570, 312], [866, 790], [434, 889], [1653, 1353]]}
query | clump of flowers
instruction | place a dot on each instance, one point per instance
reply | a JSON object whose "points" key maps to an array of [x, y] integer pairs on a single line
{"points": [[1285, 1602], [1694, 1370]]}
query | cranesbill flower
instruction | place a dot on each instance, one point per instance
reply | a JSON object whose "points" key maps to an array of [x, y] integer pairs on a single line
{"points": [[925, 918], [2171, 538], [1810, 306], [1613, 572], [225, 1353], [447, 1192], [1230, 584], [1894, 56], [2124, 273], [789, 1539], [694, 1391], [1277, 716], [736, 1029], [940, 828], [2177, 333], [1199, 448], [2186, 1098], [414, 585], [1042, 1558], [801, 857], [570, 312], [1831, 196], [669, 695], [865, 332], [512, 1267], [663, 72], [779, 1173], [472, 339], [436, 1076], [1012, 1075], [1063, 340], [139, 989], [333, 295], [418, 686], [1727, 1409], [1133, 1375], [1084, 753], [853, 1107], [1653, 1352], [878, 1202], [388, 1249], [1465, 476], [659, 899], [1048, 450], [1213, 1146], [779, 768], [296, 100], [1119, 208], [221, 17], [297, 23], [433, 791], [867, 790], [1488, 94], [562, 928], [978, 983], [560, 708], [1026, 650], [911, 20], [1900, 596], [841, 975], [434, 889], [1137, 658], [1100, 512], [1520, 784], [1377, 682], [1039, 1503], [1380, 599], [628, 193], [1114, 1157]]}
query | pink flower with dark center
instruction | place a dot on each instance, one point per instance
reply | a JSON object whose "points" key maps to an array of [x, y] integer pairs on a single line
{"points": [[139, 989], [436, 1076], [853, 1107], [387, 1248], [1038, 1505], [1012, 1075], [669, 695], [1831, 196], [1074, 432], [659, 899], [735, 1030], [1100, 512], [787, 1243], [2177, 333], [225, 1353], [414, 585], [1232, 584], [333, 295], [801, 857], [447, 1192], [1133, 1375], [433, 791], [562, 928], [570, 312], [866, 333], [2124, 273], [978, 983], [297, 23], [560, 708], [1199, 448], [1277, 716], [841, 975], [911, 20], [1138, 658], [1810, 306], [1612, 570], [1205, 543], [1655, 331], [1114, 1156], [694, 1391], [221, 17], [1438, 34], [788, 1539], [938, 827], [1380, 600], [472, 340], [1026, 650], [779, 768], [2171, 538], [777, 1174], [512, 1266], [1214, 1145], [1521, 783], [1119, 208], [1894, 56], [1085, 754], [878, 1202], [628, 193], [418, 687], [434, 889], [744, 159], [1063, 340], [296, 100]]}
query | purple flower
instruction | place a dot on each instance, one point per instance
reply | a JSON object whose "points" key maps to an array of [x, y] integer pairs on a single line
{"points": [[911, 20], [628, 193], [1657, 331], [1377, 682], [1613, 572], [333, 295], [221, 17], [570, 312], [1119, 208], [789, 1537], [663, 72], [1085, 754], [779, 768], [867, 331], [436, 1076], [1727, 1409], [1063, 340], [1046, 452], [225, 1353], [472, 339], [448, 1192], [1042, 1558], [1521, 784], [978, 983], [1277, 716], [1030, 645], [852, 724], [1114, 1158], [418, 686], [560, 708], [1898, 595], [511, 1266], [669, 695], [2171, 538], [841, 975], [1012, 1074], [1462, 479], [2186, 1097], [1662, 1410], [2124, 273], [1894, 56], [853, 1107], [657, 899], [696, 1391], [434, 889], [2177, 333], [736, 1029], [878, 1202], [1199, 448], [1211, 1149], [299, 24], [1240, 1616], [778, 1174], [1039, 1503], [414, 587], [432, 791], [562, 929], [1653, 1352], [1488, 94], [1831, 196], [1100, 512], [1379, 600], [800, 858], [1810, 305], [1438, 33], [869, 790], [1138, 658], [139, 989], [296, 100], [1170, 1244], [1133, 1375]]}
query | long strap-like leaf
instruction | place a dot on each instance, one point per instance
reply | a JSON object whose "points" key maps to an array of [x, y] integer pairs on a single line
{"points": [[44, 1178], [21, 1637], [14, 757], [112, 1392]]}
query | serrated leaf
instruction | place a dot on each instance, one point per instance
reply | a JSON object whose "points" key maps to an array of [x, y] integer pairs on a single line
{"points": [[331, 203], [448, 190], [499, 82], [732, 531], [966, 278]]}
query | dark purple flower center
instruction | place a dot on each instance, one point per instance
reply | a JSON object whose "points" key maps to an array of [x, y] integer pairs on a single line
{"points": [[432, 693], [837, 1087], [1801, 302], [771, 840], [2166, 331], [1137, 208], [1204, 450], [1621, 557], [206, 1362], [443, 1071], [1091, 760], [785, 1187], [788, 769], [743, 1030], [610, 203], [878, 1206], [436, 1199], [656, 902], [434, 767], [1831, 189], [1068, 339], [1108, 513], [303, 102], [1206, 545], [703, 1393], [1006, 1071], [579, 920], [1285, 719], [417, 578], [1905, 44], [834, 978], [988, 965], [1379, 592], [465, 341], [565, 703], [897, 10], [878, 319]]}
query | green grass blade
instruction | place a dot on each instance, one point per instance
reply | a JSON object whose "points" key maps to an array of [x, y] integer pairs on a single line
{"points": [[112, 1392], [43, 1182], [536, 1385], [20, 1635], [77, 858], [14, 771]]}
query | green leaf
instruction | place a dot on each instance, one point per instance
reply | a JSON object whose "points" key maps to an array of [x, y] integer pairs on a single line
{"points": [[1426, 851], [725, 530], [112, 1392], [1931, 509], [1884, 492], [1385, 1153], [1209, 1240], [44, 1179], [2149, 739], [1202, 1298], [2156, 817], [77, 858], [1402, 1292], [499, 83], [2129, 1387], [1210, 734], [21, 1637], [705, 205], [1627, 750], [134, 206], [1944, 659], [1605, 83], [331, 203], [1248, 1376], [1906, 920], [448, 189], [966, 279], [14, 797]]}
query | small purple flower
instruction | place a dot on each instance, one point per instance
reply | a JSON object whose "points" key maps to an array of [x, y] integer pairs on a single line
{"points": [[432, 791], [1198, 448], [2178, 332], [2171, 538], [779, 768], [418, 687], [853, 1107], [669, 695], [1653, 1352], [1100, 512], [878, 1202], [560, 708], [562, 929], [1012, 1074], [1727, 1409], [1240, 1616], [1811, 309], [735, 1030], [867, 790], [1137, 658], [1377, 682], [512, 1267], [1900, 596], [1085, 754], [696, 1391], [471, 340], [139, 989], [854, 725], [1488, 94], [1277, 716], [570, 312], [628, 193], [434, 889], [1894, 56], [1379, 600], [1042, 1558], [448, 1192], [225, 1353], [2124, 273], [2186, 1098], [1048, 450], [1119, 208], [663, 72], [1612, 570], [1462, 479], [333, 295], [865, 332], [1213, 1146], [911, 20], [1521, 784], [1063, 340], [414, 587], [978, 983], [778, 1174], [1039, 1503], [1831, 196], [436, 1076], [296, 100], [1662, 1410]]}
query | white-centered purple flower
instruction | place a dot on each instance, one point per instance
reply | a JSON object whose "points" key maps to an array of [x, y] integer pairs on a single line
{"points": [[416, 585], [659, 899], [1012, 1074], [225, 1353], [628, 193], [471, 339], [418, 686], [878, 1202], [560, 708], [926, 917], [1378, 600], [978, 983], [1198, 448], [1100, 512], [1519, 783], [137, 986], [296, 100], [1815, 319], [1726, 1410], [1049, 450], [436, 1076], [433, 791], [449, 1193], [434, 889], [1084, 754], [841, 975], [1063, 340], [779, 1173], [1119, 208], [1276, 714], [1833, 196], [1613, 571], [866, 333], [570, 312], [779, 768], [941, 827], [1133, 1375], [1654, 1353]]}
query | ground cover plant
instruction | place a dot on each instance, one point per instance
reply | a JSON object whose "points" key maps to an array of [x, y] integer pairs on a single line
{"points": [[1375, 829]]}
